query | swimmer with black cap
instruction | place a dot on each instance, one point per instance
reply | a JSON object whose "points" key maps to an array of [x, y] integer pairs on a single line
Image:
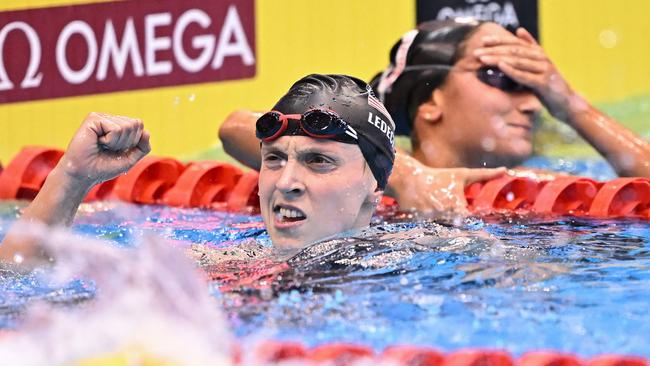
{"points": [[327, 151]]}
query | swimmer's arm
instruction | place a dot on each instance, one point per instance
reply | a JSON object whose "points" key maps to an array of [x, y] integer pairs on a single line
{"points": [[102, 148], [627, 152], [434, 192], [55, 205], [524, 60], [237, 135]]}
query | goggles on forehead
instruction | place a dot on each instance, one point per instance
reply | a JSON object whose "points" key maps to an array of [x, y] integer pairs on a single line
{"points": [[316, 123]]}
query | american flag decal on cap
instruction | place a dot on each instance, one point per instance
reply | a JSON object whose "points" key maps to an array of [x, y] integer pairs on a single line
{"points": [[376, 104]]}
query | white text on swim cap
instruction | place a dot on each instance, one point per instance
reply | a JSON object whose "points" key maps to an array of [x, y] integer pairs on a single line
{"points": [[384, 127]]}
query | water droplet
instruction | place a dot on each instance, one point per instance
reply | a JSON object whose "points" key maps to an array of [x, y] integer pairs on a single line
{"points": [[608, 38], [191, 97], [457, 220], [488, 144]]}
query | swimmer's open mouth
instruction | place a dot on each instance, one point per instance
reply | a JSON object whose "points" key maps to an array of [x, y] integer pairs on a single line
{"points": [[288, 214]]}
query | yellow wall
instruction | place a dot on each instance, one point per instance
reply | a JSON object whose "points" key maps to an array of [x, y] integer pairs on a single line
{"points": [[297, 37], [293, 37], [601, 46]]}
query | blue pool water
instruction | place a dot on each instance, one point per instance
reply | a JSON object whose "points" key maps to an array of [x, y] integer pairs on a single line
{"points": [[516, 283]]}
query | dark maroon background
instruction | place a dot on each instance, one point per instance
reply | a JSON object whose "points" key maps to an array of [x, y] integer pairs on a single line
{"points": [[49, 22], [526, 10]]}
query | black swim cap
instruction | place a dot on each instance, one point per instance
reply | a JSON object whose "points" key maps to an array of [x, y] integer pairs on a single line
{"points": [[354, 101], [419, 63]]}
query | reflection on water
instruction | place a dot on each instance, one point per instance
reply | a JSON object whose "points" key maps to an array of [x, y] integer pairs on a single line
{"points": [[518, 283]]}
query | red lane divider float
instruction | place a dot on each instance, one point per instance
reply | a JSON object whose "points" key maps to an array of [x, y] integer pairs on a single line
{"points": [[26, 173], [153, 180], [339, 353], [148, 180], [566, 196], [102, 191], [623, 197], [244, 194], [549, 358], [270, 352], [570, 195], [506, 193], [411, 355], [221, 186], [478, 357], [613, 360], [203, 184], [277, 352]]}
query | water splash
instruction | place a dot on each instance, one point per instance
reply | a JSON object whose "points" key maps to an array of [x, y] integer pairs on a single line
{"points": [[147, 299]]}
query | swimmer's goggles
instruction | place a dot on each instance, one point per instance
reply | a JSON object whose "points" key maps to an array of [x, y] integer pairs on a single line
{"points": [[489, 75], [494, 77], [316, 123]]}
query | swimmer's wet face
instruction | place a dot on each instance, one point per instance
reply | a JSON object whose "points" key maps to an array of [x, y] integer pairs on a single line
{"points": [[327, 153], [494, 122], [458, 110], [311, 189]]}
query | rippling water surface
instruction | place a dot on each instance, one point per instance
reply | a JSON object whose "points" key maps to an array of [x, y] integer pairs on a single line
{"points": [[513, 282]]}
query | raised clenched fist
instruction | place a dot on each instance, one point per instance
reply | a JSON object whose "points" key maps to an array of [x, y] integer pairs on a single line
{"points": [[104, 147]]}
